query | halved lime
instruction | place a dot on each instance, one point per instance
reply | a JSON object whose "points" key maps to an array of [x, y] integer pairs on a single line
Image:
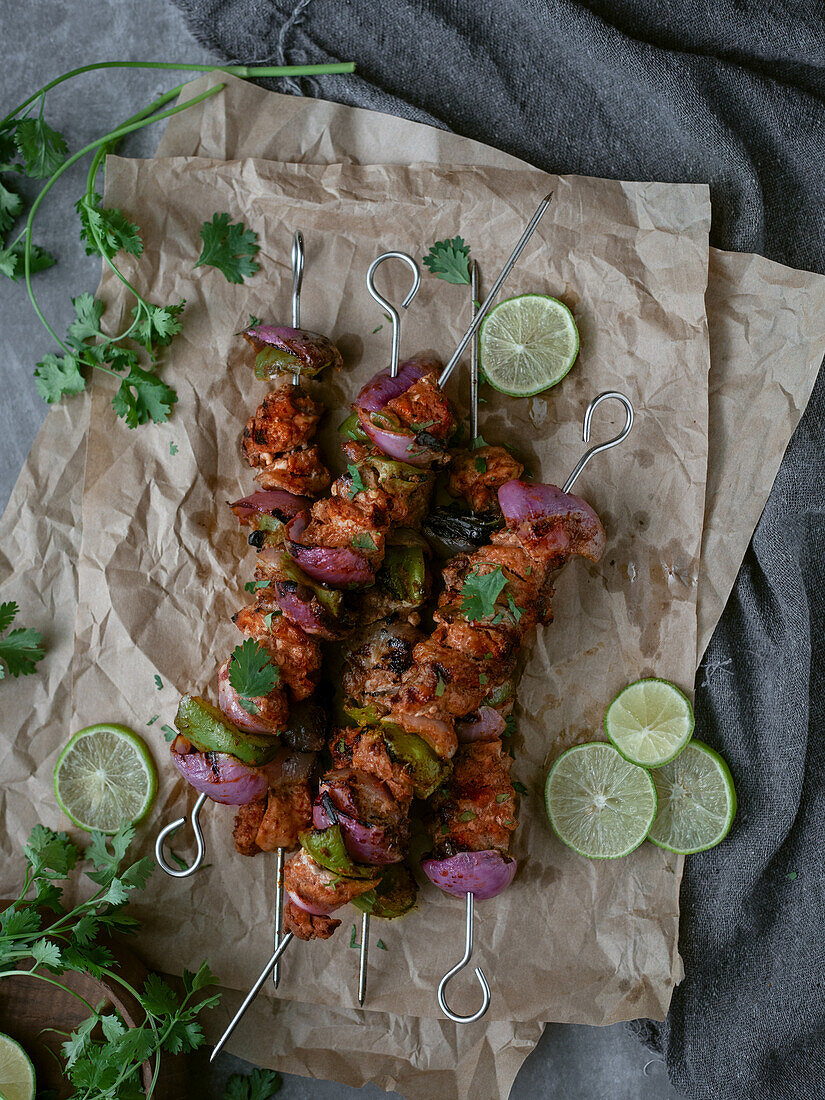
{"points": [[105, 775], [16, 1071], [649, 722], [528, 344], [599, 804], [697, 801]]}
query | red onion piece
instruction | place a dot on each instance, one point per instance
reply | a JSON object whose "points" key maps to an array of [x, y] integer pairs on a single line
{"points": [[383, 388], [525, 502], [486, 874], [230, 703], [376, 844], [401, 446], [269, 502], [316, 910], [311, 348], [337, 566], [297, 604], [486, 725], [218, 775]]}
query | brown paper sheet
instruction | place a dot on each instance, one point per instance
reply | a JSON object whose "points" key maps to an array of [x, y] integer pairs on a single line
{"points": [[767, 322], [161, 572], [44, 512]]}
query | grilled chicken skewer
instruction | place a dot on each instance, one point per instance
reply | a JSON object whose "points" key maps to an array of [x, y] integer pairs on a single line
{"points": [[391, 415]]}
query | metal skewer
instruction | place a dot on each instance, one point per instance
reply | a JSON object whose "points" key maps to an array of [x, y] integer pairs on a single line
{"points": [[297, 279], [363, 954], [173, 826], [474, 284], [475, 324], [470, 897], [388, 306]]}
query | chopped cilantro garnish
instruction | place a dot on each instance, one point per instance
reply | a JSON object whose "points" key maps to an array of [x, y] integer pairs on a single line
{"points": [[480, 592]]}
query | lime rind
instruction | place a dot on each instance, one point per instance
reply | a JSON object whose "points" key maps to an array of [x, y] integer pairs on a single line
{"points": [[599, 804], [17, 1076], [650, 722], [528, 344], [103, 776], [686, 824]]}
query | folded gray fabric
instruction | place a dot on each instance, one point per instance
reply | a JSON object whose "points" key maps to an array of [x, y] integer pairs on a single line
{"points": [[733, 95]]}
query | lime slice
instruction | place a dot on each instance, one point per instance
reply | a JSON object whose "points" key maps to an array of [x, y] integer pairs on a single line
{"points": [[599, 804], [105, 775], [650, 722], [16, 1071], [697, 801], [528, 344]]}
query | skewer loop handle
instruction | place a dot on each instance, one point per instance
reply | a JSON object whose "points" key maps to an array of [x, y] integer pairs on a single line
{"points": [[588, 418], [173, 826], [482, 981], [388, 306]]}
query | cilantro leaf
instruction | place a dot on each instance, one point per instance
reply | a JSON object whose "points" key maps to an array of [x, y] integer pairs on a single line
{"points": [[480, 592], [143, 397], [158, 682], [252, 673], [229, 248], [57, 375], [158, 996], [42, 148], [261, 1084], [106, 231], [169, 733], [86, 324], [46, 954], [449, 260], [157, 324], [48, 851], [11, 206], [358, 485], [519, 787], [364, 541], [20, 651], [13, 262], [104, 861], [7, 613]]}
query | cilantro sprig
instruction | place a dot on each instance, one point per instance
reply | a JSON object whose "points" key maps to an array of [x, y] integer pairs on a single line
{"points": [[450, 260], [252, 673], [30, 147], [229, 248], [43, 939], [21, 648], [261, 1084], [480, 592]]}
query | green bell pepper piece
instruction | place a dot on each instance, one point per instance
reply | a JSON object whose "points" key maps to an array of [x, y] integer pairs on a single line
{"points": [[326, 846], [393, 896], [426, 768], [351, 428], [210, 731], [270, 362], [404, 574]]}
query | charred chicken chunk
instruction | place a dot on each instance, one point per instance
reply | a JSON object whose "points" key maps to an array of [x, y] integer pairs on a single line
{"points": [[247, 822], [376, 661], [301, 472], [307, 926], [288, 813], [286, 419], [476, 476], [475, 809]]}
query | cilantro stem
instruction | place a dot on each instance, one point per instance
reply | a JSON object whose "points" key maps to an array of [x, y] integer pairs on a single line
{"points": [[51, 981], [243, 71], [113, 135]]}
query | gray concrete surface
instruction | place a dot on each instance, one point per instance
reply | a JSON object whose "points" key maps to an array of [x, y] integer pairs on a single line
{"points": [[42, 39]]}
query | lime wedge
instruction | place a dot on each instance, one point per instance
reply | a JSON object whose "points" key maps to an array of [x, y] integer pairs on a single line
{"points": [[16, 1071], [528, 344], [105, 775], [650, 722], [599, 804], [697, 801]]}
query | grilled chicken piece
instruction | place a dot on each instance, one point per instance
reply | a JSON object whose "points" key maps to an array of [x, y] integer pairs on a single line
{"points": [[339, 522], [475, 810], [319, 887], [439, 733], [272, 709], [408, 496], [368, 800], [366, 750], [247, 822], [301, 472], [442, 682], [376, 661], [307, 926], [288, 813], [297, 654], [476, 476], [424, 409], [286, 419], [476, 639]]}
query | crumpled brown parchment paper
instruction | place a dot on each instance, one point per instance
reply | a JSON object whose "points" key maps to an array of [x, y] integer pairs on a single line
{"points": [[751, 354]]}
